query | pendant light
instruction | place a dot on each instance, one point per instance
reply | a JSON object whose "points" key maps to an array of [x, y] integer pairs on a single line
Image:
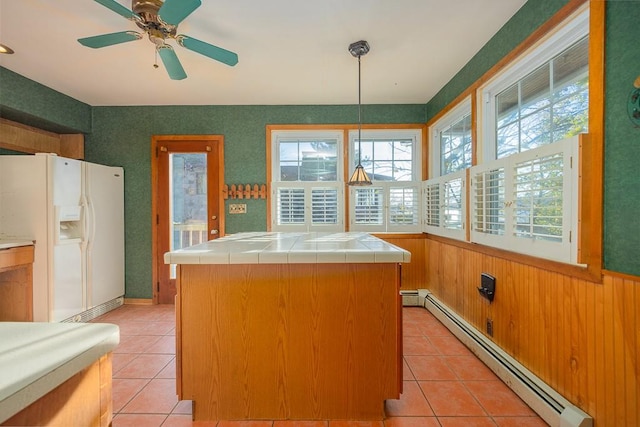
{"points": [[359, 176]]}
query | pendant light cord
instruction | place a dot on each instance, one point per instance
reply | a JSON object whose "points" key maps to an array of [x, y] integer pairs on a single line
{"points": [[359, 114]]}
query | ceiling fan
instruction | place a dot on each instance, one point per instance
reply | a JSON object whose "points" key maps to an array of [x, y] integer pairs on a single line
{"points": [[159, 20]]}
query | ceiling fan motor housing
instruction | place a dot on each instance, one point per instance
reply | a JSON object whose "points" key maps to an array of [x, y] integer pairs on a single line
{"points": [[150, 21]]}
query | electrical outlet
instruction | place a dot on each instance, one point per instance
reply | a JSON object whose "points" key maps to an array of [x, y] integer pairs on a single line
{"points": [[489, 327], [237, 208]]}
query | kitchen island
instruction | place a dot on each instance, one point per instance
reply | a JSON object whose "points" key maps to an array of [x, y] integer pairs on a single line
{"points": [[289, 326]]}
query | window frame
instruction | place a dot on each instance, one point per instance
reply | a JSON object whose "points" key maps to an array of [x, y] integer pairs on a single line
{"points": [[571, 31], [462, 109], [279, 136], [389, 133]]}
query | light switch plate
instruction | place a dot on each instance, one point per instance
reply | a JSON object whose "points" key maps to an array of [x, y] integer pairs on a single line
{"points": [[237, 208]]}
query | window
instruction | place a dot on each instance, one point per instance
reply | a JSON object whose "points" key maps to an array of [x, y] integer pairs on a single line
{"points": [[542, 97], [308, 180], [524, 195], [391, 158], [307, 185], [451, 147], [444, 195], [549, 104]]}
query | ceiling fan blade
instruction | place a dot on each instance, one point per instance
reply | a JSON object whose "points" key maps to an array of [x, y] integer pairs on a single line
{"points": [[110, 39], [171, 62], [117, 8], [173, 12], [208, 50]]}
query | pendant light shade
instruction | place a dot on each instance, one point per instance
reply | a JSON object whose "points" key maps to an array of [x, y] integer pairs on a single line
{"points": [[359, 176]]}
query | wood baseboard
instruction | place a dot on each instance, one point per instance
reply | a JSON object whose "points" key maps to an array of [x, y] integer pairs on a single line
{"points": [[138, 301]]}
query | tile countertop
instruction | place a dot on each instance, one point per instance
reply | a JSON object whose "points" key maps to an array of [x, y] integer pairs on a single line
{"points": [[290, 248], [13, 243], [35, 358]]}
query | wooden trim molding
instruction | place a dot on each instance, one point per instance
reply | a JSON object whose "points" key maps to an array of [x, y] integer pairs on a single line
{"points": [[576, 271], [138, 301], [156, 140], [26, 139], [592, 149], [622, 276]]}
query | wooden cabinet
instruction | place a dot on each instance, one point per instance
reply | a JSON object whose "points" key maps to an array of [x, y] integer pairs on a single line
{"points": [[16, 284], [289, 341]]}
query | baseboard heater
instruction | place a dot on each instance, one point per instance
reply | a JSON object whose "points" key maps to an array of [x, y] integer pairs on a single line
{"points": [[554, 409]]}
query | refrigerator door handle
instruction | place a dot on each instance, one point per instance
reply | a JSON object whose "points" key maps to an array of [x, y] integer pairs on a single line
{"points": [[85, 212]]}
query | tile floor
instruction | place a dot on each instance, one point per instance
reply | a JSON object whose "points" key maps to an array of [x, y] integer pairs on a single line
{"points": [[445, 385]]}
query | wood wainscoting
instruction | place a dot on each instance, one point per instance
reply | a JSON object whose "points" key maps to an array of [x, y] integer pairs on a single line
{"points": [[580, 337]]}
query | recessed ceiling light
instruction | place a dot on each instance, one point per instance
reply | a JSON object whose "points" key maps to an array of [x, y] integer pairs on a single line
{"points": [[5, 49]]}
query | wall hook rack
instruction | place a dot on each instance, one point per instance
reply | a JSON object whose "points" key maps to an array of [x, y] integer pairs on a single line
{"points": [[244, 191]]}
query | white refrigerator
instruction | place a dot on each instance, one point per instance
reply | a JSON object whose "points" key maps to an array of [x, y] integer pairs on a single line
{"points": [[74, 211]]}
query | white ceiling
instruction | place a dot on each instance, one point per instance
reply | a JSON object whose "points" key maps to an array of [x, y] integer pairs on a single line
{"points": [[291, 52]]}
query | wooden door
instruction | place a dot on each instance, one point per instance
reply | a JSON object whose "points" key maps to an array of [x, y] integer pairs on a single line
{"points": [[187, 208]]}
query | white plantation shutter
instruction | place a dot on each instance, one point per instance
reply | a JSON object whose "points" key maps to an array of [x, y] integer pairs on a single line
{"points": [[324, 206], [431, 200], [488, 200], [290, 206], [307, 206], [369, 206], [404, 207], [445, 205], [538, 196], [525, 202], [453, 215], [385, 206]]}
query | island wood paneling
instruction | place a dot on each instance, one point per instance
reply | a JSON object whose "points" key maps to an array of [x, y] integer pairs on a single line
{"points": [[85, 399], [288, 341], [414, 272], [580, 337]]}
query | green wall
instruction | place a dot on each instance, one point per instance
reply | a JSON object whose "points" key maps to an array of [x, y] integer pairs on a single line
{"points": [[622, 140], [26, 101], [122, 136]]}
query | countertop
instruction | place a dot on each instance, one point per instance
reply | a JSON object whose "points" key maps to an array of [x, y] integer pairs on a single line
{"points": [[35, 358], [290, 248], [12, 243]]}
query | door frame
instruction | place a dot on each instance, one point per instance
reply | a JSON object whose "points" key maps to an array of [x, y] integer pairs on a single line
{"points": [[217, 142]]}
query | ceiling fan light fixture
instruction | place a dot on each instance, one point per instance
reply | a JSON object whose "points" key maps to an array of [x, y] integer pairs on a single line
{"points": [[359, 176]]}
